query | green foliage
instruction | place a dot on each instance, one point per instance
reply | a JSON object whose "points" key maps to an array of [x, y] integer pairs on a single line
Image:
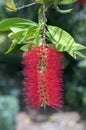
{"points": [[63, 41], [8, 110], [24, 31], [10, 6], [43, 1], [56, 2], [25, 48], [65, 2], [63, 11], [14, 42], [15, 22]]}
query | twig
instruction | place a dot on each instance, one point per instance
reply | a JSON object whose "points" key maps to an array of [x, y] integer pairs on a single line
{"points": [[44, 28], [25, 6]]}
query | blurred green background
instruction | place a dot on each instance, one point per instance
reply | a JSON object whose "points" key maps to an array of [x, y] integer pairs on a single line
{"points": [[74, 73]]}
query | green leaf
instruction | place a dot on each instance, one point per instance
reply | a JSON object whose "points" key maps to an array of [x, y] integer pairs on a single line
{"points": [[56, 2], [25, 35], [78, 47], [10, 5], [59, 36], [38, 39], [16, 29], [80, 54], [25, 48], [14, 42], [43, 1], [30, 34], [65, 2], [73, 54], [38, 36], [63, 41], [17, 35], [63, 11], [40, 13], [16, 22]]}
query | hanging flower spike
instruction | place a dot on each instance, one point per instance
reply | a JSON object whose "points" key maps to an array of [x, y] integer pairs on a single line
{"points": [[43, 78]]}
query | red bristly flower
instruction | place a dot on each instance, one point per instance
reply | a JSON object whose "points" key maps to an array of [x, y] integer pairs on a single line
{"points": [[43, 77]]}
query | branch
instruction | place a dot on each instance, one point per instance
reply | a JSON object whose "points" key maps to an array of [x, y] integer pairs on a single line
{"points": [[44, 28], [25, 6]]}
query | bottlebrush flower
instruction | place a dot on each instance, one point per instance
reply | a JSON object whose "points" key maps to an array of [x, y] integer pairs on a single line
{"points": [[43, 77]]}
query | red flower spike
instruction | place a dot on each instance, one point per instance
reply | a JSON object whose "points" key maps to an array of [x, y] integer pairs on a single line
{"points": [[43, 77]]}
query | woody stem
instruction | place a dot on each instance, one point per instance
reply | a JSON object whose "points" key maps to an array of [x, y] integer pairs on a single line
{"points": [[44, 27], [25, 6]]}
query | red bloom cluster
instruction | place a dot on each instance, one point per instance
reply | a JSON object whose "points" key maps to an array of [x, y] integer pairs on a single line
{"points": [[43, 77]]}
